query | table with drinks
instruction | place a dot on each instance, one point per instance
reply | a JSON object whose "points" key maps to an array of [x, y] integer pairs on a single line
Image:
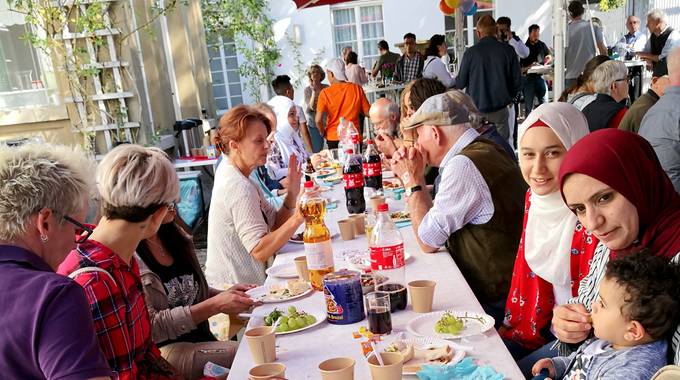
{"points": [[372, 288]]}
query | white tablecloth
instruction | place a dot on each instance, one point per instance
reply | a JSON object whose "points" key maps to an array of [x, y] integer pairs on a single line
{"points": [[302, 352]]}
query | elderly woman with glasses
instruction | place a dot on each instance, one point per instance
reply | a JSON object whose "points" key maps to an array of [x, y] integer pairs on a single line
{"points": [[47, 329], [610, 80], [138, 187]]}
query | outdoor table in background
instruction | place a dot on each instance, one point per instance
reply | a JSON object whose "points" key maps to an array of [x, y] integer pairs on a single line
{"points": [[636, 68], [392, 91], [302, 352]]}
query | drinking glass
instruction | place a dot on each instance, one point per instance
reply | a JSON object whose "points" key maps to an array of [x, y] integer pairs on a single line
{"points": [[378, 312]]}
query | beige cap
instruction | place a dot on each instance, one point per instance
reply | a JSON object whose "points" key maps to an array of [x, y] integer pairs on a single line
{"points": [[440, 109]]}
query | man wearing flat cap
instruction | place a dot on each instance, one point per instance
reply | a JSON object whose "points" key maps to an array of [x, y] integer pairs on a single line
{"points": [[479, 207]]}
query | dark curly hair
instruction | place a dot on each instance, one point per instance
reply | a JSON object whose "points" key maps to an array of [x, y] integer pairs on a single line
{"points": [[652, 294]]}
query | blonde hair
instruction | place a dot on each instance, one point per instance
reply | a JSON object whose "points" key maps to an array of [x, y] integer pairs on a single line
{"points": [[135, 181], [36, 176]]}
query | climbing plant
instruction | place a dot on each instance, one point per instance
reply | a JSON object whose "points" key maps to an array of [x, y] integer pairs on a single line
{"points": [[247, 23], [608, 5], [47, 20]]}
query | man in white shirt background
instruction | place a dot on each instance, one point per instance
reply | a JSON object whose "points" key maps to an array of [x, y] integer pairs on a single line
{"points": [[479, 207], [633, 41], [661, 41]]}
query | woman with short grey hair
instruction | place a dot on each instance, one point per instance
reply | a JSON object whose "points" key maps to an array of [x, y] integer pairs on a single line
{"points": [[44, 191], [610, 81]]}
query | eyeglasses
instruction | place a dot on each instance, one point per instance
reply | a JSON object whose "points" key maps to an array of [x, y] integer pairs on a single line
{"points": [[83, 232]]}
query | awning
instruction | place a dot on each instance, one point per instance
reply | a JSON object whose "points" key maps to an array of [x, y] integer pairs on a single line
{"points": [[301, 4]]}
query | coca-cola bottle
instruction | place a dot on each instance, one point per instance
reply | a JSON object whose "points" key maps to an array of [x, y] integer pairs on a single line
{"points": [[387, 258], [353, 178], [372, 167]]}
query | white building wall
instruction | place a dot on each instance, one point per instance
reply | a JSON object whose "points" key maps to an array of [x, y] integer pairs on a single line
{"points": [[423, 18], [525, 13]]}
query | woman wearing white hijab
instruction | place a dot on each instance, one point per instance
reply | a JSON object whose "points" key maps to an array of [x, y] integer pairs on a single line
{"points": [[287, 137], [554, 253]]}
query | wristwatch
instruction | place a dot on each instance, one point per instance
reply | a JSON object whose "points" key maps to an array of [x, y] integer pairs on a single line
{"points": [[413, 189]]}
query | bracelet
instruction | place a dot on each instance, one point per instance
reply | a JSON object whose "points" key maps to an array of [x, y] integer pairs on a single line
{"points": [[286, 207]]}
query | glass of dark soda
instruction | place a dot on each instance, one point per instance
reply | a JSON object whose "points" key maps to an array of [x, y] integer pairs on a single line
{"points": [[378, 312], [397, 294]]}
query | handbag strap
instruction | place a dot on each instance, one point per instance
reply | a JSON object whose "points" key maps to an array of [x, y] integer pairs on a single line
{"points": [[80, 271]]}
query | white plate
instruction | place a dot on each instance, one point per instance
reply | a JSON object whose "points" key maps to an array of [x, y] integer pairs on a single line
{"points": [[262, 293], [424, 341], [283, 271], [320, 318], [424, 325], [387, 174]]}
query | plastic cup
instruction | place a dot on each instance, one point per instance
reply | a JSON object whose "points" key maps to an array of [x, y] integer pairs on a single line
{"points": [[337, 369], [359, 224], [376, 200], [267, 371], [346, 229], [422, 294], [378, 313], [262, 344], [301, 267], [394, 363]]}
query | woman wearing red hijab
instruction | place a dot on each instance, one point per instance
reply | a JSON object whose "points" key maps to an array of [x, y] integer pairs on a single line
{"points": [[613, 182]]}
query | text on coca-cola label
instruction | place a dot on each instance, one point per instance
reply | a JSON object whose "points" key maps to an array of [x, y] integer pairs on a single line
{"points": [[372, 169], [353, 180], [391, 257], [319, 255]]}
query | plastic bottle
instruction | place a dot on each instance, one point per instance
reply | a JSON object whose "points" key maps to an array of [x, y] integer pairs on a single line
{"points": [[349, 136], [353, 178], [387, 257], [316, 237], [309, 169], [372, 167]]}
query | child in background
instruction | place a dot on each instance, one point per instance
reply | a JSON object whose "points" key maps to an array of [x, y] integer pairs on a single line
{"points": [[638, 306]]}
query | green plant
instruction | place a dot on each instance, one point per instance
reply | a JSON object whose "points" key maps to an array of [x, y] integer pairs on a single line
{"points": [[72, 59], [299, 71], [252, 30], [608, 5]]}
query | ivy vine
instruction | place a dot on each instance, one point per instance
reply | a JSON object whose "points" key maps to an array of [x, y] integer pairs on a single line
{"points": [[246, 22], [608, 5]]}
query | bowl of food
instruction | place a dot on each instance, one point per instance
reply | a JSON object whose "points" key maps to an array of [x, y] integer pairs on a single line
{"points": [[368, 281]]}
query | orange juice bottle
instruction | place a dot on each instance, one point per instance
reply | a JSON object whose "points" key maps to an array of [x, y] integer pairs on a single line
{"points": [[317, 237]]}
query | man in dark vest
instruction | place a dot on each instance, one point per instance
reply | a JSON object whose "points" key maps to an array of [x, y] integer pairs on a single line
{"points": [[479, 207], [662, 40]]}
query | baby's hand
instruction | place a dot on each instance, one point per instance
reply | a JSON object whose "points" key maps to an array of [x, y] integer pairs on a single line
{"points": [[544, 364]]}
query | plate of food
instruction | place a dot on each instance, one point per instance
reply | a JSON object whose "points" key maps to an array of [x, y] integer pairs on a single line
{"points": [[425, 350], [294, 320], [400, 216], [292, 289], [326, 172], [337, 178], [361, 260], [282, 271], [450, 324]]}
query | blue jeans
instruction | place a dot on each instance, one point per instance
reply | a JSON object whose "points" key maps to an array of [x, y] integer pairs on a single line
{"points": [[534, 87], [526, 358]]}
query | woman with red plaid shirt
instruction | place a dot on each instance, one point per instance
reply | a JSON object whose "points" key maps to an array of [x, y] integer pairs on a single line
{"points": [[137, 186]]}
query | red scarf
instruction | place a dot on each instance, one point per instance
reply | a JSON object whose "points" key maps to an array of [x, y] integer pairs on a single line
{"points": [[627, 163], [531, 299]]}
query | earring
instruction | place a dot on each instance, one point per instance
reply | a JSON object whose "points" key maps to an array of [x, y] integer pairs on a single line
{"points": [[44, 238]]}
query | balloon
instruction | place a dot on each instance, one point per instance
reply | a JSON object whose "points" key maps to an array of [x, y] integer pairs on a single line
{"points": [[453, 4], [466, 5], [472, 11], [445, 8]]}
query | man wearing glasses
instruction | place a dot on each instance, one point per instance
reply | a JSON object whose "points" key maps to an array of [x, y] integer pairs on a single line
{"points": [[610, 80]]}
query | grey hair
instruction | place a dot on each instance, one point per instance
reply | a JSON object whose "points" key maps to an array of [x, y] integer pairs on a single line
{"points": [[657, 15], [135, 176], [477, 120], [37, 176], [605, 74], [392, 109]]}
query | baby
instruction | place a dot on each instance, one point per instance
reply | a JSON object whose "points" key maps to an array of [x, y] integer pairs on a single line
{"points": [[638, 306]]}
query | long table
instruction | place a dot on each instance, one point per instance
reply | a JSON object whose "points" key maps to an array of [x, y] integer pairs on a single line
{"points": [[302, 352]]}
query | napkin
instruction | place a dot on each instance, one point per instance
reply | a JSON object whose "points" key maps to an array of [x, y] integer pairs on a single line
{"points": [[466, 369]]}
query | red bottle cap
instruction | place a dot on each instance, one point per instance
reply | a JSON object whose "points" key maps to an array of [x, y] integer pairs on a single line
{"points": [[383, 207], [369, 142], [309, 184], [350, 151]]}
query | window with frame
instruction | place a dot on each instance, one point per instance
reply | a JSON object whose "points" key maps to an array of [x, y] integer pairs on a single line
{"points": [[360, 27], [27, 78], [226, 79], [486, 7]]}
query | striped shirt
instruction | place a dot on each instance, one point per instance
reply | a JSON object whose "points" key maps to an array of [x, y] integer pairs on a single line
{"points": [[589, 289], [463, 196]]}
